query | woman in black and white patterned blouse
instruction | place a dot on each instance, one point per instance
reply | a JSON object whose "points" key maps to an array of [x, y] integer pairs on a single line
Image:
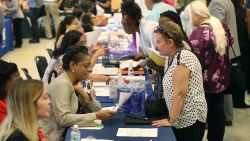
{"points": [[182, 85]]}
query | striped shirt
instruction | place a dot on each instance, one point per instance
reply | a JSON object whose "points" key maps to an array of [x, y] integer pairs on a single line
{"points": [[147, 36]]}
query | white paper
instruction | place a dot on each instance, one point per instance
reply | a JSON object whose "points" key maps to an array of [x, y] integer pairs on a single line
{"points": [[92, 37], [125, 64], [134, 78], [137, 132], [91, 128], [100, 84], [99, 10], [105, 71], [124, 96], [102, 91], [113, 108]]}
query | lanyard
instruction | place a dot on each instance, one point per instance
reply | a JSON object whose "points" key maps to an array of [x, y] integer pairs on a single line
{"points": [[178, 60]]}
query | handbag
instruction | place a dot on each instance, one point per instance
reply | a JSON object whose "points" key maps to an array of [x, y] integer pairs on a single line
{"points": [[156, 108], [237, 79], [42, 11]]}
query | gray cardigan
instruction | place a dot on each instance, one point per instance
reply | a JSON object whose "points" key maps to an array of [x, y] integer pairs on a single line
{"points": [[15, 10], [63, 109]]}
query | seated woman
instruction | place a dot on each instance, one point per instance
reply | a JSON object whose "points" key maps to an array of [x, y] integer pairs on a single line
{"points": [[182, 85], [85, 18], [28, 101], [70, 103], [67, 22], [71, 38]]}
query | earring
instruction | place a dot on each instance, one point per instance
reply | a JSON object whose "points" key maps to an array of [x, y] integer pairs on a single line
{"points": [[73, 70]]}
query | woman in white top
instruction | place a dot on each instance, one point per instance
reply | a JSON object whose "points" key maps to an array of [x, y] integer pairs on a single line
{"points": [[182, 85]]}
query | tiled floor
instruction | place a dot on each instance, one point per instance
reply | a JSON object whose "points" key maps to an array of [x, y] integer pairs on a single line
{"points": [[24, 58]]}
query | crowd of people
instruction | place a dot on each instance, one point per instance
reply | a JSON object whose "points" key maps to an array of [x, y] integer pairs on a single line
{"points": [[200, 42]]}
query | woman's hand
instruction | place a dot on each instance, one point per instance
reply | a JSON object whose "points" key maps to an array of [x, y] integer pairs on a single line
{"points": [[96, 47], [160, 123], [138, 56], [105, 114], [101, 51]]}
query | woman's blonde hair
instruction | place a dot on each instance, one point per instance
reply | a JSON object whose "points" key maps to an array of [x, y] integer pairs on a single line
{"points": [[21, 107], [173, 31], [201, 10]]}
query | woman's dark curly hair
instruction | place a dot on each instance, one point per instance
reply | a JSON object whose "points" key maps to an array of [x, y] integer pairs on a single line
{"points": [[62, 27], [131, 9], [69, 39], [6, 70], [75, 53]]}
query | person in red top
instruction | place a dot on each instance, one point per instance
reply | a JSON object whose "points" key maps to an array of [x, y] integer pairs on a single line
{"points": [[8, 75]]}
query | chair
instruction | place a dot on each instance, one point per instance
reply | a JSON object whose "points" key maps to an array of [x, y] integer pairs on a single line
{"points": [[41, 64], [52, 75], [26, 72], [50, 52]]}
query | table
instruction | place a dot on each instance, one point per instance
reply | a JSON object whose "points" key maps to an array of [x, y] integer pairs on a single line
{"points": [[7, 37], [111, 126]]}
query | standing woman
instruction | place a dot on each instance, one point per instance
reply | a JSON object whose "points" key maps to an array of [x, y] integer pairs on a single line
{"points": [[34, 11], [27, 102], [15, 13], [182, 85], [243, 21], [210, 41]]}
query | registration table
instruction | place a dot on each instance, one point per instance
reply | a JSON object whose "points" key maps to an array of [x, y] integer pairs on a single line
{"points": [[7, 39], [112, 125]]}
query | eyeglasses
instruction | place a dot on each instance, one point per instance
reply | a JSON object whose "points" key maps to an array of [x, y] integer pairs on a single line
{"points": [[160, 29]]}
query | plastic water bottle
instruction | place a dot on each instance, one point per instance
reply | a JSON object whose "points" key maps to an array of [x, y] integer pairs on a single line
{"points": [[75, 134], [130, 70]]}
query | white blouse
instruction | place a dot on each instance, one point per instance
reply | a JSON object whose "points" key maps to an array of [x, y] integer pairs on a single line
{"points": [[194, 105]]}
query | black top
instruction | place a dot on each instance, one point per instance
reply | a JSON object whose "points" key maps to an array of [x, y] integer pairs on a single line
{"points": [[107, 10], [68, 4], [17, 136]]}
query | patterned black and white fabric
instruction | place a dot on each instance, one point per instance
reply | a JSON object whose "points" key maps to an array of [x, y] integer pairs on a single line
{"points": [[194, 105]]}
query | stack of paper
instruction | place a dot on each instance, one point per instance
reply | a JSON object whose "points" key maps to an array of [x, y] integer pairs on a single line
{"points": [[92, 37], [99, 69], [137, 132], [126, 64]]}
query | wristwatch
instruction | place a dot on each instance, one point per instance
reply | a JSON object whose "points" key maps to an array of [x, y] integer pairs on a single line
{"points": [[171, 120]]}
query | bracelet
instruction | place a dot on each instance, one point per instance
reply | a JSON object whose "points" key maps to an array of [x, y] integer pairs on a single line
{"points": [[171, 120]]}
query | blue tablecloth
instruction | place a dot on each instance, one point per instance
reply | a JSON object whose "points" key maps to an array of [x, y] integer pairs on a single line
{"points": [[7, 38], [104, 99], [111, 126]]}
